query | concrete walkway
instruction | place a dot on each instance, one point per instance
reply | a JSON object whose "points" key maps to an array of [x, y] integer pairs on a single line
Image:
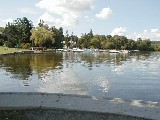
{"points": [[137, 108]]}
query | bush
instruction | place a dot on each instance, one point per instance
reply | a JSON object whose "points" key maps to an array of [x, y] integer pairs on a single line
{"points": [[25, 46], [1, 42]]}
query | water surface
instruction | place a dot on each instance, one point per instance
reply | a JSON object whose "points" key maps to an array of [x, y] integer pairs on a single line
{"points": [[127, 76]]}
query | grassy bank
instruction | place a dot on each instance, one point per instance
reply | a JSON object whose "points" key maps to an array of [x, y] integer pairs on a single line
{"points": [[5, 50]]}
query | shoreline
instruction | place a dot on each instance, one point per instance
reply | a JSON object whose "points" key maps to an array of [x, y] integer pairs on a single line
{"points": [[11, 51], [18, 52], [50, 101]]}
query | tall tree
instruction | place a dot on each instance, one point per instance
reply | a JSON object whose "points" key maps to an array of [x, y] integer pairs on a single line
{"points": [[58, 36], [119, 41], [42, 36], [1, 30], [85, 40], [24, 27], [143, 45], [11, 32], [98, 41], [18, 32], [67, 40]]}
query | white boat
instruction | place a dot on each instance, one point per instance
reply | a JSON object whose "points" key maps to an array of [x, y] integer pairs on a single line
{"points": [[37, 52], [66, 50], [60, 50], [101, 50], [134, 50], [77, 50], [114, 51], [124, 51]]}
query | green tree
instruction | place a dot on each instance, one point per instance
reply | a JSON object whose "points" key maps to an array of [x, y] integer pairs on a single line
{"points": [[42, 36], [90, 34], [146, 45], [24, 27], [98, 41], [156, 47], [130, 45], [109, 43], [2, 39], [11, 32], [67, 39], [58, 37], [119, 41], [73, 40], [95, 43], [1, 30], [70, 40], [84, 41], [18, 32]]}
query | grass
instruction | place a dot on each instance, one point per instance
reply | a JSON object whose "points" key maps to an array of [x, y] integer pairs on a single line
{"points": [[5, 50]]}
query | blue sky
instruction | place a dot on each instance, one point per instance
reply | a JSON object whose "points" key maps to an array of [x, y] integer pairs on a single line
{"points": [[132, 18]]}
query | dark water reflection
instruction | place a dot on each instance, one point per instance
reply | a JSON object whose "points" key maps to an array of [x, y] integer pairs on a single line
{"points": [[18, 66], [21, 66], [128, 76]]}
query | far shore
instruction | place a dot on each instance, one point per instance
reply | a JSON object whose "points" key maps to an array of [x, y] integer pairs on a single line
{"points": [[6, 50]]}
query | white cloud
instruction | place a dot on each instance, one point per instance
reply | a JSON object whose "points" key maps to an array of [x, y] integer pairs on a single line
{"points": [[104, 14], [145, 31], [5, 21], [154, 30], [47, 18], [64, 12], [27, 10], [152, 34], [64, 20], [158, 35], [89, 19], [119, 31], [86, 17]]}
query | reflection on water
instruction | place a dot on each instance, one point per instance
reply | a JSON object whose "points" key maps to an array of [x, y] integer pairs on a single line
{"points": [[18, 66], [21, 66], [128, 76]]}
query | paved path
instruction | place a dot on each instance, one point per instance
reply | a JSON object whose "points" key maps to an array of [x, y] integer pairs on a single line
{"points": [[137, 108]]}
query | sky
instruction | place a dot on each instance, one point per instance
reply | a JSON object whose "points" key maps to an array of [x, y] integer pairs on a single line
{"points": [[131, 18]]}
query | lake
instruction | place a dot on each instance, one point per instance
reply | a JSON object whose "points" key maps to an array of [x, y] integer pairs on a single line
{"points": [[99, 74]]}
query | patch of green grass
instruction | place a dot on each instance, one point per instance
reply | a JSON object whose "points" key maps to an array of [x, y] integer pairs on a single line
{"points": [[5, 50]]}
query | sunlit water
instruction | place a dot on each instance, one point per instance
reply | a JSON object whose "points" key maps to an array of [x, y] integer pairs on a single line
{"points": [[127, 76]]}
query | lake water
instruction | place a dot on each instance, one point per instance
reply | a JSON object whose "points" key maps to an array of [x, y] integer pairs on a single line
{"points": [[127, 76]]}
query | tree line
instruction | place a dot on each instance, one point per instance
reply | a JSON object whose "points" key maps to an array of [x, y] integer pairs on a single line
{"points": [[21, 33]]}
